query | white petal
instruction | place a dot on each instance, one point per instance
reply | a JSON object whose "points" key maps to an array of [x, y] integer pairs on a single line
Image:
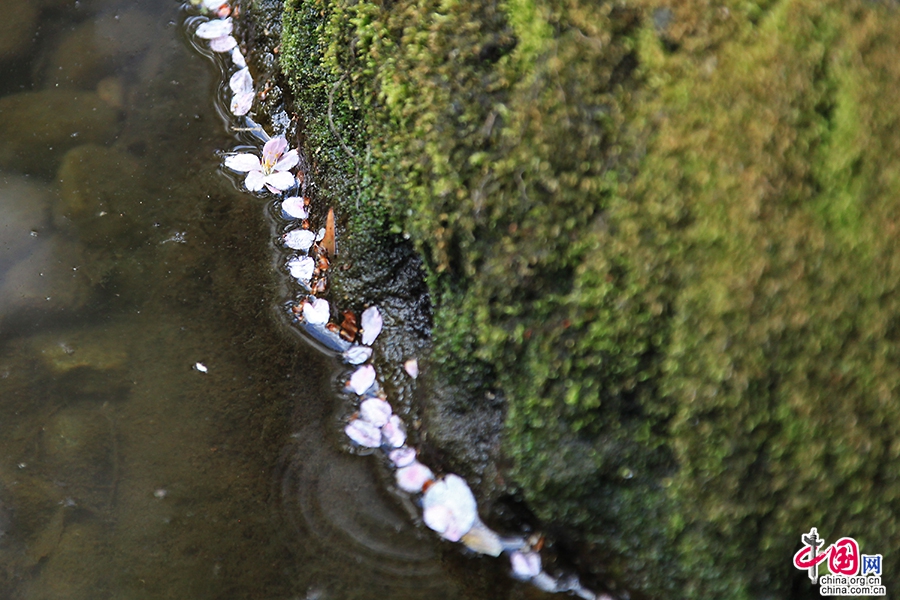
{"points": [[453, 493], [243, 162], [242, 103], [412, 368], [255, 181], [525, 565], [357, 355], [295, 207], [282, 180], [371, 325], [316, 312], [273, 149], [437, 517], [241, 82], [299, 239], [214, 29], [320, 235], [375, 411], [288, 161], [238, 59], [364, 434], [302, 268], [362, 379], [394, 432], [483, 540], [413, 477], [402, 457], [223, 44]]}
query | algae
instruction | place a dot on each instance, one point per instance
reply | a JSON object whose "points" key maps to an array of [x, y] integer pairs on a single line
{"points": [[659, 245]]}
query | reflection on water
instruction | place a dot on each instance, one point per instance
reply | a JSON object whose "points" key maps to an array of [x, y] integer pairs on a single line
{"points": [[125, 259]]}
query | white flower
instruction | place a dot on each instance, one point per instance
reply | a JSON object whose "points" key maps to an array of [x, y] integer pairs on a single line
{"points": [[301, 268], [273, 172], [362, 379], [449, 508], [357, 355], [299, 239], [295, 207], [371, 325], [316, 312], [394, 432], [375, 411], [413, 477], [364, 434]]}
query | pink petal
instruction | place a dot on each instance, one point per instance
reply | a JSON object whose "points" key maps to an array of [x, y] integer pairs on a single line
{"points": [[362, 379], [282, 180], [255, 181], [215, 28], [288, 160], [356, 355], [299, 239], [364, 434], [394, 432], [316, 312], [412, 368], [243, 163], [242, 103], [525, 565], [371, 325], [413, 477], [375, 411], [273, 149], [241, 82], [238, 59], [222, 44], [402, 457], [295, 207]]}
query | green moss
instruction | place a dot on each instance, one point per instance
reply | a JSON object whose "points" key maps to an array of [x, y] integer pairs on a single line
{"points": [[665, 233]]}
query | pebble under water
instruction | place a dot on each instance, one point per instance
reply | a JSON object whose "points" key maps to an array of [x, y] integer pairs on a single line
{"points": [[164, 433]]}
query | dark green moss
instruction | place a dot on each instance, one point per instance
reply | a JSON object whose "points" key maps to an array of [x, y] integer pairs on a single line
{"points": [[664, 235]]}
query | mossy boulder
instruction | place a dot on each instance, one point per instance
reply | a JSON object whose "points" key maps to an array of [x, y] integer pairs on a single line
{"points": [[663, 237]]}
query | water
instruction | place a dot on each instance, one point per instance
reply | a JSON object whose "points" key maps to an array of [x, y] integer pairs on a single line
{"points": [[126, 259]]}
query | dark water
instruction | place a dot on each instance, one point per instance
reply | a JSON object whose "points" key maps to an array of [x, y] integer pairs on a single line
{"points": [[126, 258]]}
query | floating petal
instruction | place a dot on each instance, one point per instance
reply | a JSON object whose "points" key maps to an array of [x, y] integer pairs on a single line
{"points": [[223, 44], [282, 180], [357, 355], [302, 268], [243, 163], [451, 494], [273, 150], [238, 58], [241, 82], [438, 518], [242, 103], [394, 432], [364, 434], [295, 207], [255, 181], [412, 368], [288, 161], [215, 28], [375, 411], [412, 478], [317, 311], [371, 325], [299, 239], [320, 235], [483, 540], [362, 379], [525, 565], [402, 457]]}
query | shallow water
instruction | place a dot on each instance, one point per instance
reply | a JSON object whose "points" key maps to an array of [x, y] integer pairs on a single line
{"points": [[127, 258]]}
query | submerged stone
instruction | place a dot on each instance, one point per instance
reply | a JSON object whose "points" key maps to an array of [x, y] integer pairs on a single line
{"points": [[38, 128]]}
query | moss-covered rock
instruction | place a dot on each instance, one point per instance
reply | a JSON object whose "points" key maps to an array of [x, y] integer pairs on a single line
{"points": [[663, 236]]}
